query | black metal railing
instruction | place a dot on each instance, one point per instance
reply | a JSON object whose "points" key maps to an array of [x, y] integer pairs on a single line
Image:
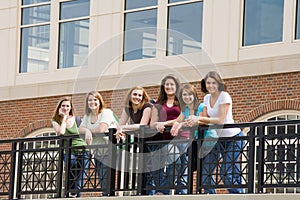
{"points": [[267, 157]]}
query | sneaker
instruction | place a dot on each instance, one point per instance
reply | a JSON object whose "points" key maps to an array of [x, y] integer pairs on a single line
{"points": [[72, 195]]}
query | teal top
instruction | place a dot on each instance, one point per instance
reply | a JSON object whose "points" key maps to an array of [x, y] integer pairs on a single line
{"points": [[210, 133]]}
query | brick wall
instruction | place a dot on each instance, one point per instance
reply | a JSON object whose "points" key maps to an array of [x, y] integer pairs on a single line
{"points": [[252, 97]]}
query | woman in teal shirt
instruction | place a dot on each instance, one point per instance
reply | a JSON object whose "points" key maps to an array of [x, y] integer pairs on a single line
{"points": [[191, 108]]}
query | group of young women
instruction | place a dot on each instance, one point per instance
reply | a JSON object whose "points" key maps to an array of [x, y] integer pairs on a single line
{"points": [[177, 106]]}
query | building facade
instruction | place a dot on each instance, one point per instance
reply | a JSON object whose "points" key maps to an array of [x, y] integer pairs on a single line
{"points": [[53, 48]]}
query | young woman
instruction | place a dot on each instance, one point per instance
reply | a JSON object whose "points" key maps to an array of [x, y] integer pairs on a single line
{"points": [[191, 108], [98, 119], [165, 113], [137, 111], [63, 122], [218, 110]]}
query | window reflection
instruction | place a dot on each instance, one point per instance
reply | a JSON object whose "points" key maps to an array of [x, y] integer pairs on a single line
{"points": [[263, 21], [35, 49], [174, 1], [185, 28], [73, 35], [26, 2], [37, 14], [140, 35], [73, 9], [133, 4], [35, 37], [73, 43]]}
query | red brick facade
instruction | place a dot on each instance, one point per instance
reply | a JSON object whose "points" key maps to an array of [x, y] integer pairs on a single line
{"points": [[252, 97]]}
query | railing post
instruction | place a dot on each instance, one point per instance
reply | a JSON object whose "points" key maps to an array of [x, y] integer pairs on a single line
{"points": [[111, 171], [260, 153], [68, 162], [19, 170], [61, 167], [199, 160], [251, 161], [13, 171], [141, 173], [190, 160]]}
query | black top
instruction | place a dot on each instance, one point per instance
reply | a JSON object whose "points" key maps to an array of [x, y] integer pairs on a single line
{"points": [[135, 118]]}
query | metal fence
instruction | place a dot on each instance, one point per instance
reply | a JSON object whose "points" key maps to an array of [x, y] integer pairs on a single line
{"points": [[267, 157]]}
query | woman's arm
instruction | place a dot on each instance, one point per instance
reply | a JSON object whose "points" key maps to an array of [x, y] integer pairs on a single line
{"points": [[124, 118], [144, 121], [223, 110], [59, 129], [171, 122]]}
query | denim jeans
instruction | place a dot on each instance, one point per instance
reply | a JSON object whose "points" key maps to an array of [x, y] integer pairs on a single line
{"points": [[229, 151], [79, 165], [102, 168], [181, 167]]}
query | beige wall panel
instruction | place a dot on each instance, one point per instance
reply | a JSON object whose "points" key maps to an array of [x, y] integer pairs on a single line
{"points": [[8, 17], [269, 50], [8, 4], [105, 7], [4, 57]]}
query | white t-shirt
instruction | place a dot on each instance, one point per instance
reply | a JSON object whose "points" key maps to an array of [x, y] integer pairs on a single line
{"points": [[224, 98], [106, 116]]}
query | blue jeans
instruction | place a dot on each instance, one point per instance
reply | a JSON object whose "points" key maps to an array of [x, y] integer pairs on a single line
{"points": [[101, 168], [181, 167], [229, 151], [79, 165]]}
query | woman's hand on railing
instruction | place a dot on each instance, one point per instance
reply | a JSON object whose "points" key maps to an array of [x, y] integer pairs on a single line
{"points": [[160, 126], [175, 128], [88, 137], [120, 134], [192, 120]]}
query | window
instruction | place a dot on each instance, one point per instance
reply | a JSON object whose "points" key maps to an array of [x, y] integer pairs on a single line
{"points": [[184, 32], [298, 20], [35, 36], [73, 33], [36, 28], [263, 21], [140, 29], [183, 25]]}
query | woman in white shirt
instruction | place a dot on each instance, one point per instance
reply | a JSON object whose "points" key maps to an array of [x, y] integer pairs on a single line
{"points": [[98, 119], [218, 110]]}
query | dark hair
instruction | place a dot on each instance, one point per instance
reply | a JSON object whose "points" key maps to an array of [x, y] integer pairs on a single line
{"points": [[191, 89], [58, 118], [162, 97], [98, 96], [145, 97], [215, 75]]}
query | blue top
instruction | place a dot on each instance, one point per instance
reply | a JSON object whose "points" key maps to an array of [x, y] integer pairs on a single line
{"points": [[210, 133]]}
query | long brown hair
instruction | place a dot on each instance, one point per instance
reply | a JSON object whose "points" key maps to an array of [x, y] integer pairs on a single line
{"points": [[190, 89], [98, 96], [58, 118], [145, 97], [162, 97], [215, 75]]}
